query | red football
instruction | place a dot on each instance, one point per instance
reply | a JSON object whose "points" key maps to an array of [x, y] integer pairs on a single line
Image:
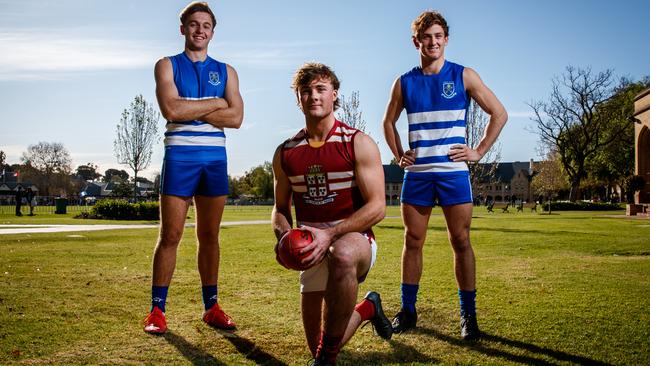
{"points": [[289, 248]]}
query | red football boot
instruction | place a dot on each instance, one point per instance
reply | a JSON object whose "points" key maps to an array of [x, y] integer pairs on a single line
{"points": [[155, 322], [218, 319]]}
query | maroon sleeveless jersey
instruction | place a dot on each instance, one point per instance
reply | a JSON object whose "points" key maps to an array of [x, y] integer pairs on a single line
{"points": [[323, 181]]}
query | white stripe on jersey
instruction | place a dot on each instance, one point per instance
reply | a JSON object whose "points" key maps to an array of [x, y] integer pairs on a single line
{"points": [[295, 143], [205, 127], [458, 166], [339, 138], [176, 140], [299, 188], [199, 98], [438, 150], [437, 116], [436, 134], [342, 185], [344, 130], [340, 175], [297, 179]]}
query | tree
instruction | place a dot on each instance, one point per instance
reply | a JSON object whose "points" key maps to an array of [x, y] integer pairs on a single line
{"points": [[137, 133], [115, 174], [260, 179], [574, 122], [350, 112], [614, 164], [122, 189], [88, 172], [480, 173], [3, 157], [48, 165], [550, 179]]}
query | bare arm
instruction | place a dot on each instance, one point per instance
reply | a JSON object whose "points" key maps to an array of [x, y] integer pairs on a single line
{"points": [[281, 218], [393, 110], [233, 115], [370, 180], [492, 106], [172, 106]]}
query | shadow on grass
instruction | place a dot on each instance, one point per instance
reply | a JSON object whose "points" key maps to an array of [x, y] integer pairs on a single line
{"points": [[250, 350], [192, 353], [401, 354], [199, 356], [480, 346]]}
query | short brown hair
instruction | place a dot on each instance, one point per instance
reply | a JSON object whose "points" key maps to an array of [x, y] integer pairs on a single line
{"points": [[426, 20], [194, 7], [311, 71]]}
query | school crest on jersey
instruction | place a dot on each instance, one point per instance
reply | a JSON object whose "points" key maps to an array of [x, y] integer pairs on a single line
{"points": [[213, 78], [317, 186], [316, 182], [448, 89]]}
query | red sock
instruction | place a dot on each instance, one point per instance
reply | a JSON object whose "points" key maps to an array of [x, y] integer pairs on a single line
{"points": [[329, 347], [366, 309]]}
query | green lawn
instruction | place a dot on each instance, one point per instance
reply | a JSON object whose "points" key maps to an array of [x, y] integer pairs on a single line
{"points": [[569, 288]]}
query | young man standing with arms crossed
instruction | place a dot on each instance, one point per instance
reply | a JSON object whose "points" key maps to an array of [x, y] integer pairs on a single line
{"points": [[334, 176], [199, 97], [436, 96]]}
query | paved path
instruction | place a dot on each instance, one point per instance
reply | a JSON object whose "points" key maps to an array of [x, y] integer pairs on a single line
{"points": [[35, 229]]}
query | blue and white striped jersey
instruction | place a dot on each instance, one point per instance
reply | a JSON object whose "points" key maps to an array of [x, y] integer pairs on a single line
{"points": [[196, 140], [436, 106]]}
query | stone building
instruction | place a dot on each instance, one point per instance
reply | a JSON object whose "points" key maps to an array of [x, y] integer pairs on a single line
{"points": [[393, 177], [511, 183], [642, 150]]}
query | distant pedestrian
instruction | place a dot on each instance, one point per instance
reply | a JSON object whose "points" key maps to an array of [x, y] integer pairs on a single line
{"points": [[19, 200], [29, 196]]}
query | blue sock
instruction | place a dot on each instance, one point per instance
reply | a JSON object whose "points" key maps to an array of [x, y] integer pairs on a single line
{"points": [[159, 297], [409, 296], [209, 296], [467, 302]]}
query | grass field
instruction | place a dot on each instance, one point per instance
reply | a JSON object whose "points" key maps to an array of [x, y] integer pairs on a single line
{"points": [[569, 288]]}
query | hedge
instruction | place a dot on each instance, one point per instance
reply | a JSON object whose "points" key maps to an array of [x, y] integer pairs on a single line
{"points": [[123, 210], [582, 206]]}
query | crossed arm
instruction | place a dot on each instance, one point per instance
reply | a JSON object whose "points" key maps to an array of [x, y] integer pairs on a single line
{"points": [[219, 112]]}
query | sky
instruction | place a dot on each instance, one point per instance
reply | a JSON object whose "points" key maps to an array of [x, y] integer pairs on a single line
{"points": [[68, 68]]}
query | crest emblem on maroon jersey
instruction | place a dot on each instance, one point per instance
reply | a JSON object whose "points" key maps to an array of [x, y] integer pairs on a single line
{"points": [[316, 182]]}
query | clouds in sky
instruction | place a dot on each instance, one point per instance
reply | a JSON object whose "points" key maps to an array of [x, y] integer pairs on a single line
{"points": [[41, 54]]}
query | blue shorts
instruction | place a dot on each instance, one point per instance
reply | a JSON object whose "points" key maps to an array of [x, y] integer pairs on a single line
{"points": [[443, 191], [191, 178]]}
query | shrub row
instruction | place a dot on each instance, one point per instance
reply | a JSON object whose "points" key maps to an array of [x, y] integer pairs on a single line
{"points": [[582, 206], [123, 210]]}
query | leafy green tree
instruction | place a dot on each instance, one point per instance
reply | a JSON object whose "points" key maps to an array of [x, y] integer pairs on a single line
{"points": [[88, 172], [550, 179], [122, 189], [614, 163], [115, 174]]}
